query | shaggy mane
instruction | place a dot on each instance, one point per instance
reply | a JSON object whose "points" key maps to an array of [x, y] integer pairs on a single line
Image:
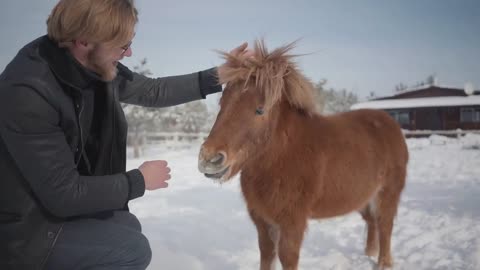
{"points": [[274, 73]]}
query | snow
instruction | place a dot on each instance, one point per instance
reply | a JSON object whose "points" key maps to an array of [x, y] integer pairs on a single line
{"points": [[419, 102], [198, 224]]}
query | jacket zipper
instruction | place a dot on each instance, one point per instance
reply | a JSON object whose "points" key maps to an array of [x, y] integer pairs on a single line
{"points": [[42, 266], [80, 148], [113, 124]]}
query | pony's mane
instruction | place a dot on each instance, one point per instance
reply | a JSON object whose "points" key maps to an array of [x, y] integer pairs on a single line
{"points": [[274, 73]]}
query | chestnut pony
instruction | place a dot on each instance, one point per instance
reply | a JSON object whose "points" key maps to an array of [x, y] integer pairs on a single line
{"points": [[296, 164]]}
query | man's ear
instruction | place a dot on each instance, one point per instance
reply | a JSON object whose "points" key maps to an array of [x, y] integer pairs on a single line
{"points": [[80, 50], [82, 45]]}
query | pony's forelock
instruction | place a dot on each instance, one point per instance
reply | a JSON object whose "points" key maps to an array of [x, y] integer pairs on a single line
{"points": [[275, 73]]}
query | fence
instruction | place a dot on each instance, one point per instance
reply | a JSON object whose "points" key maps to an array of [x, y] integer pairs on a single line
{"points": [[164, 137], [449, 133], [150, 138]]}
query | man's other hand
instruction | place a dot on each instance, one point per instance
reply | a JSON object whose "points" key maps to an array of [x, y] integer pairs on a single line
{"points": [[155, 173]]}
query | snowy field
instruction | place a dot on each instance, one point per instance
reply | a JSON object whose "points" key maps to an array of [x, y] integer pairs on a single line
{"points": [[197, 224]]}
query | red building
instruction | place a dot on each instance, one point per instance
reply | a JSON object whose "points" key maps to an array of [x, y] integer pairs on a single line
{"points": [[431, 109]]}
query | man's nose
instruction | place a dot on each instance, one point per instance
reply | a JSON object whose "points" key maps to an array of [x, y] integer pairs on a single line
{"points": [[129, 52]]}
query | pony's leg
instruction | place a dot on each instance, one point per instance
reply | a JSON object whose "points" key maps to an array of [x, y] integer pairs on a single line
{"points": [[368, 215], [267, 241], [387, 202], [291, 237]]}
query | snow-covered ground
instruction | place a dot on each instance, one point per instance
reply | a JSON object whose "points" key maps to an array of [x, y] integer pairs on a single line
{"points": [[198, 224]]}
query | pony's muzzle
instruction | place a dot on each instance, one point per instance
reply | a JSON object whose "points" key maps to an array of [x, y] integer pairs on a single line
{"points": [[212, 165]]}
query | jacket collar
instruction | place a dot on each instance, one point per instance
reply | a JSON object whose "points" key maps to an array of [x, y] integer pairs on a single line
{"points": [[68, 69]]}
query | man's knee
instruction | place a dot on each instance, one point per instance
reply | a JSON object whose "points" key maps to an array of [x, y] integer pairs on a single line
{"points": [[143, 251], [135, 253], [93, 244]]}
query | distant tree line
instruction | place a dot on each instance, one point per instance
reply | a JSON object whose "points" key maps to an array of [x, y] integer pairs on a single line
{"points": [[430, 80]]}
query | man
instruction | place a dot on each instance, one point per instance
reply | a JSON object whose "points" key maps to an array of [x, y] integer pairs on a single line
{"points": [[64, 189]]}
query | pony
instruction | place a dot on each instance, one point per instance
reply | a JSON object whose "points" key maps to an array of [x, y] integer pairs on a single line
{"points": [[296, 164]]}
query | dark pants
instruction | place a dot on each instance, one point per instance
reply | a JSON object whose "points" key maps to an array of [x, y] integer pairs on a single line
{"points": [[100, 244]]}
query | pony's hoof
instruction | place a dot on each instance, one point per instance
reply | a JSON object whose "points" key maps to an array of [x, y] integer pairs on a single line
{"points": [[371, 252], [385, 263]]}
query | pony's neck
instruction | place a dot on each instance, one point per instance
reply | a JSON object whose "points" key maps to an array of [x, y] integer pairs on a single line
{"points": [[292, 130]]}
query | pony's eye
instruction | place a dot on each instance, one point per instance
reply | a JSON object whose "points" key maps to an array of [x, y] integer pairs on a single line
{"points": [[259, 111]]}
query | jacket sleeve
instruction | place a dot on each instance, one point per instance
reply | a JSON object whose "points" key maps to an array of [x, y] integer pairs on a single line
{"points": [[29, 127], [168, 91]]}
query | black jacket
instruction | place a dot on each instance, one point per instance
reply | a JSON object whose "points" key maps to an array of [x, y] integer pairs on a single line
{"points": [[44, 177]]}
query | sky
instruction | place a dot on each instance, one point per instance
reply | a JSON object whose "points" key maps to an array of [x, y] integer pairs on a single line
{"points": [[197, 224], [362, 46]]}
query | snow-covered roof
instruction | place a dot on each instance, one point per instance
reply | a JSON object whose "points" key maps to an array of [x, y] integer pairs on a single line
{"points": [[418, 102], [426, 86]]}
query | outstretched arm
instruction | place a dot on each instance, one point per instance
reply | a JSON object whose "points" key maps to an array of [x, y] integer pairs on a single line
{"points": [[173, 90], [169, 91]]}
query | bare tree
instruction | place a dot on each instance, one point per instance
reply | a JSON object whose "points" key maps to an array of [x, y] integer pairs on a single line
{"points": [[330, 101], [372, 95], [320, 94], [400, 88], [194, 117]]}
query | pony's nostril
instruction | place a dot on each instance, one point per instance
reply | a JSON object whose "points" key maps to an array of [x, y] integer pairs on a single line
{"points": [[217, 159]]}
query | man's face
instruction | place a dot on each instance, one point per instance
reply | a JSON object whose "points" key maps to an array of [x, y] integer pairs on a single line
{"points": [[104, 60]]}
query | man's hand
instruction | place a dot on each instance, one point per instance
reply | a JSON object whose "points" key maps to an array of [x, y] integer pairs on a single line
{"points": [[155, 173]]}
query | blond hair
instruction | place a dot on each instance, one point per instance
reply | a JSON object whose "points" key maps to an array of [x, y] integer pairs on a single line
{"points": [[111, 22]]}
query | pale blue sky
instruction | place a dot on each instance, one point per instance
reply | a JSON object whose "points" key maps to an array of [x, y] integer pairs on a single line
{"points": [[362, 46]]}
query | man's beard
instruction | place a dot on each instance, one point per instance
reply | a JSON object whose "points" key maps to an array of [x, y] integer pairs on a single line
{"points": [[107, 70]]}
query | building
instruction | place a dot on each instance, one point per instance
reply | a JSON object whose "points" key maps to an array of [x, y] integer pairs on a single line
{"points": [[431, 109]]}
